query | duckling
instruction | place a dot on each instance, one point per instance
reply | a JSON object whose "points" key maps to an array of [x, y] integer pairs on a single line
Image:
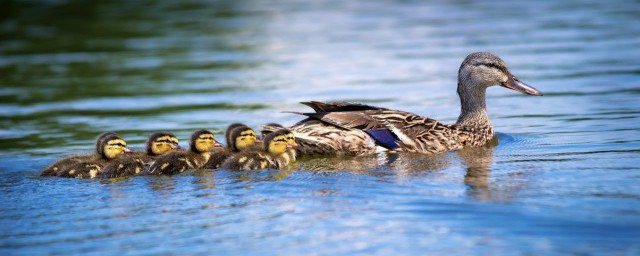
{"points": [[110, 147], [201, 142], [133, 163], [239, 137], [271, 155], [291, 139], [64, 163]]}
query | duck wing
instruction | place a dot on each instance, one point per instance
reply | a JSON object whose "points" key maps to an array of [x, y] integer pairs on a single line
{"points": [[391, 129], [168, 164], [128, 165], [418, 134], [338, 106], [350, 120]]}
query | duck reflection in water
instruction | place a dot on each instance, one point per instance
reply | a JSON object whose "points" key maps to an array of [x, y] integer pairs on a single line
{"points": [[394, 167], [478, 162]]}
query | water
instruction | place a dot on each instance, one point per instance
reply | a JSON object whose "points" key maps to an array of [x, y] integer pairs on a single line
{"points": [[561, 179]]}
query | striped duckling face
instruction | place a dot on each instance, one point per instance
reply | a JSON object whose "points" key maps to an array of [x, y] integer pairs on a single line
{"points": [[162, 143], [243, 138], [203, 141], [113, 146], [277, 143]]}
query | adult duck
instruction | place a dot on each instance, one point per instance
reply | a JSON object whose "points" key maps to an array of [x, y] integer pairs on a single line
{"points": [[358, 129]]}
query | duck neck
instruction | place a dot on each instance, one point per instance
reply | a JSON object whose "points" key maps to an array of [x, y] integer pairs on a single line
{"points": [[473, 112]]}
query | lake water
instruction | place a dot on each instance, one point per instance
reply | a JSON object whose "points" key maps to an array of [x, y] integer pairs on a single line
{"points": [[563, 177]]}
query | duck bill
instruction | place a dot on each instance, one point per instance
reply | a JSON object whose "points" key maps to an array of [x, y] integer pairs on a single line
{"points": [[127, 150], [515, 84], [217, 145], [289, 146]]}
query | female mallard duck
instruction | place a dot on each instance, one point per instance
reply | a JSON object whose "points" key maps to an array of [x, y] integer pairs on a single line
{"points": [[239, 137], [133, 163], [358, 129], [271, 155], [201, 142], [109, 147]]}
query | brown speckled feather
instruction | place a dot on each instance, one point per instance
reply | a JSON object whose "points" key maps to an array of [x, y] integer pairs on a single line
{"points": [[176, 162], [65, 163], [218, 156], [83, 170], [252, 159], [344, 132], [130, 164]]}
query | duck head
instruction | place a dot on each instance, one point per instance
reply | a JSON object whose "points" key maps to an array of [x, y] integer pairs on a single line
{"points": [[276, 143], [111, 146], [241, 138], [227, 133], [202, 141], [161, 142], [481, 70]]}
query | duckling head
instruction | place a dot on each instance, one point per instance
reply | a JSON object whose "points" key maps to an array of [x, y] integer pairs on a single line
{"points": [[100, 142], [161, 142], [112, 146], [203, 141], [241, 138], [276, 143], [227, 133], [481, 70]]}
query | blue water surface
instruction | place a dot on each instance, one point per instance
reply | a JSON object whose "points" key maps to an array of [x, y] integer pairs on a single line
{"points": [[562, 178]]}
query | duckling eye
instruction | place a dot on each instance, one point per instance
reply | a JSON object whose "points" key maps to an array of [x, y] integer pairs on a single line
{"points": [[207, 138], [118, 144]]}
